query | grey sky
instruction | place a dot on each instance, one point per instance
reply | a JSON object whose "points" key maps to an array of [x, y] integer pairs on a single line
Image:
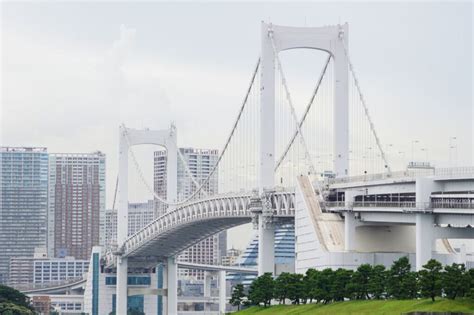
{"points": [[71, 72]]}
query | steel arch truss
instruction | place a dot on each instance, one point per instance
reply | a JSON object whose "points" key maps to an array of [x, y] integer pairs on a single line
{"points": [[193, 222]]}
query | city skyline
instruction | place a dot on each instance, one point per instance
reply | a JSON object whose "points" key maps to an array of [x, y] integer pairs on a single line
{"points": [[121, 63]]}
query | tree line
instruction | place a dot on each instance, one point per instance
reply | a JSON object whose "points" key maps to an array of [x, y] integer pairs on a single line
{"points": [[365, 283]]}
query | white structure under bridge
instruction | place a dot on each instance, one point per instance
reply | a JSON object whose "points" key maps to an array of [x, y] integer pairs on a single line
{"points": [[269, 172]]}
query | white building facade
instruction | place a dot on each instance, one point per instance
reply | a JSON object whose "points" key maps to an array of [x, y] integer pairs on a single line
{"points": [[200, 163]]}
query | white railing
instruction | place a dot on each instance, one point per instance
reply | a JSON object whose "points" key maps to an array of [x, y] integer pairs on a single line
{"points": [[217, 206], [412, 173], [402, 204]]}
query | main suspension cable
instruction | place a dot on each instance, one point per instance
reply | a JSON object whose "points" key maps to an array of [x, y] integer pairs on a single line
{"points": [[362, 99], [308, 107], [293, 112], [206, 181]]}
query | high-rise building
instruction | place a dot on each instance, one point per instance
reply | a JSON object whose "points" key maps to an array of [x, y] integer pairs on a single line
{"points": [[139, 215], [76, 210], [284, 254], [200, 163], [23, 203]]}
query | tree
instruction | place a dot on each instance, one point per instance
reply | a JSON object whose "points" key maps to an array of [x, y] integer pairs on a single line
{"points": [[237, 296], [359, 284], [377, 282], [398, 277], [295, 288], [281, 291], [410, 286], [10, 308], [340, 280], [322, 289], [309, 283], [8, 294], [430, 279], [261, 290], [455, 281]]}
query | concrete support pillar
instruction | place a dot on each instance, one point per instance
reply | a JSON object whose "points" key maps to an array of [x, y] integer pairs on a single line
{"points": [[350, 225], [266, 247], [425, 236], [207, 289], [172, 285], [424, 239], [160, 285], [121, 293], [222, 292]]}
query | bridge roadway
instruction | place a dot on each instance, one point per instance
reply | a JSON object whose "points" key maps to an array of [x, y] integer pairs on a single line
{"points": [[193, 222]]}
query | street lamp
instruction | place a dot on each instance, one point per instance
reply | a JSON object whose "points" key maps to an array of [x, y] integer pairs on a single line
{"points": [[426, 153], [452, 146], [413, 142]]}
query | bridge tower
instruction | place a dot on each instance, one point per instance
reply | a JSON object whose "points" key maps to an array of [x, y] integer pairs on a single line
{"points": [[330, 39], [127, 138]]}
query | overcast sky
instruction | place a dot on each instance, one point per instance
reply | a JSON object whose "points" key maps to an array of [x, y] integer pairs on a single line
{"points": [[72, 72]]}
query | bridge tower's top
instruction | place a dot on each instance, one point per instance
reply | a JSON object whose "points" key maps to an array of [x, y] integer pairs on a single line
{"points": [[327, 38]]}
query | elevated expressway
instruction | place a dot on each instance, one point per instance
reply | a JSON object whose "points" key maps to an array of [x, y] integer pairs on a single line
{"points": [[437, 203], [193, 222]]}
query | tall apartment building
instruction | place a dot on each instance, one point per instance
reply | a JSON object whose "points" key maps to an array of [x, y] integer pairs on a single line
{"points": [[76, 210], [23, 203], [139, 215], [200, 163]]}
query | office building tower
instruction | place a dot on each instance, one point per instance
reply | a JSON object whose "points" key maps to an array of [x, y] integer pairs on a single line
{"points": [[23, 203], [200, 163], [76, 210], [139, 215]]}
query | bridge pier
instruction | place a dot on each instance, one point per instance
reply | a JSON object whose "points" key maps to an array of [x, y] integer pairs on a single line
{"points": [[266, 246], [171, 284], [424, 221], [122, 289], [222, 292], [350, 225]]}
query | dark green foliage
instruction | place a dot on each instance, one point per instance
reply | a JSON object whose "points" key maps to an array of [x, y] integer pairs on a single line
{"points": [[281, 292], [237, 296], [310, 282], [261, 290], [340, 280], [399, 279], [367, 282], [296, 288], [10, 308], [470, 279], [14, 302], [456, 281], [359, 284], [8, 294], [430, 279], [377, 282]]}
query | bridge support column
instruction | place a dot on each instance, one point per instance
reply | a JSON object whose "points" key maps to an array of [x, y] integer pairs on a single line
{"points": [[350, 225], [207, 289], [424, 239], [424, 221], [222, 292], [172, 285], [266, 246], [122, 290]]}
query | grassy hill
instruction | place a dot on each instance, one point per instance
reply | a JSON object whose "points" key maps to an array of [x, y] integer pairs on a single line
{"points": [[388, 307]]}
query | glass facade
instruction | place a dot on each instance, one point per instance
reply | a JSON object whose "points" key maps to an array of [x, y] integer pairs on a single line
{"points": [[134, 302], [132, 280], [23, 203], [284, 252]]}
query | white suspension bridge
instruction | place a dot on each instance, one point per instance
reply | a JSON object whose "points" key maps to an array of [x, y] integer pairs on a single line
{"points": [[269, 146]]}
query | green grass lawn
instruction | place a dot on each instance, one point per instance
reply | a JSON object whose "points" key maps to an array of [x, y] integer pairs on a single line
{"points": [[368, 307]]}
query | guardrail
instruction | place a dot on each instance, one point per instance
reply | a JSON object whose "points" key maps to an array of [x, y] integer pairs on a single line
{"points": [[401, 204], [449, 171]]}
